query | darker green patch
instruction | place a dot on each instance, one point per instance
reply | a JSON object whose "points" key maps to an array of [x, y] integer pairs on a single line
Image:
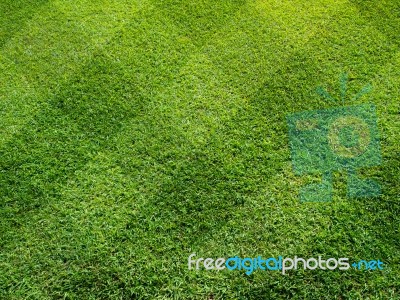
{"points": [[14, 15], [199, 20]]}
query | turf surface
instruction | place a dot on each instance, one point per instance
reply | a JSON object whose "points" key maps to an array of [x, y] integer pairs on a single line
{"points": [[134, 133]]}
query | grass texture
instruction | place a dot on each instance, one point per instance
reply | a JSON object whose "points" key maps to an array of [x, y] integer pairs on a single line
{"points": [[134, 133]]}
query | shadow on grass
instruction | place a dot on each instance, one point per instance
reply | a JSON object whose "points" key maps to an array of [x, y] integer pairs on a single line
{"points": [[197, 198], [200, 187], [199, 20], [72, 127], [384, 16], [359, 228]]}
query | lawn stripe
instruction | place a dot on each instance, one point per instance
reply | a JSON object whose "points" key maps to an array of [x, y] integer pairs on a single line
{"points": [[49, 50], [171, 127]]}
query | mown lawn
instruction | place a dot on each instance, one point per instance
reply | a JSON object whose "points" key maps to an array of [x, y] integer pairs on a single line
{"points": [[134, 133]]}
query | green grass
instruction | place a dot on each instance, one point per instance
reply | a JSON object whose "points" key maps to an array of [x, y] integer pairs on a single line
{"points": [[134, 133]]}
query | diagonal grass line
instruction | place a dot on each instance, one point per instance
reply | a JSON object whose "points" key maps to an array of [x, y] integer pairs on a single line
{"points": [[146, 223], [61, 104], [169, 153], [95, 117], [178, 177], [37, 62], [383, 16]]}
